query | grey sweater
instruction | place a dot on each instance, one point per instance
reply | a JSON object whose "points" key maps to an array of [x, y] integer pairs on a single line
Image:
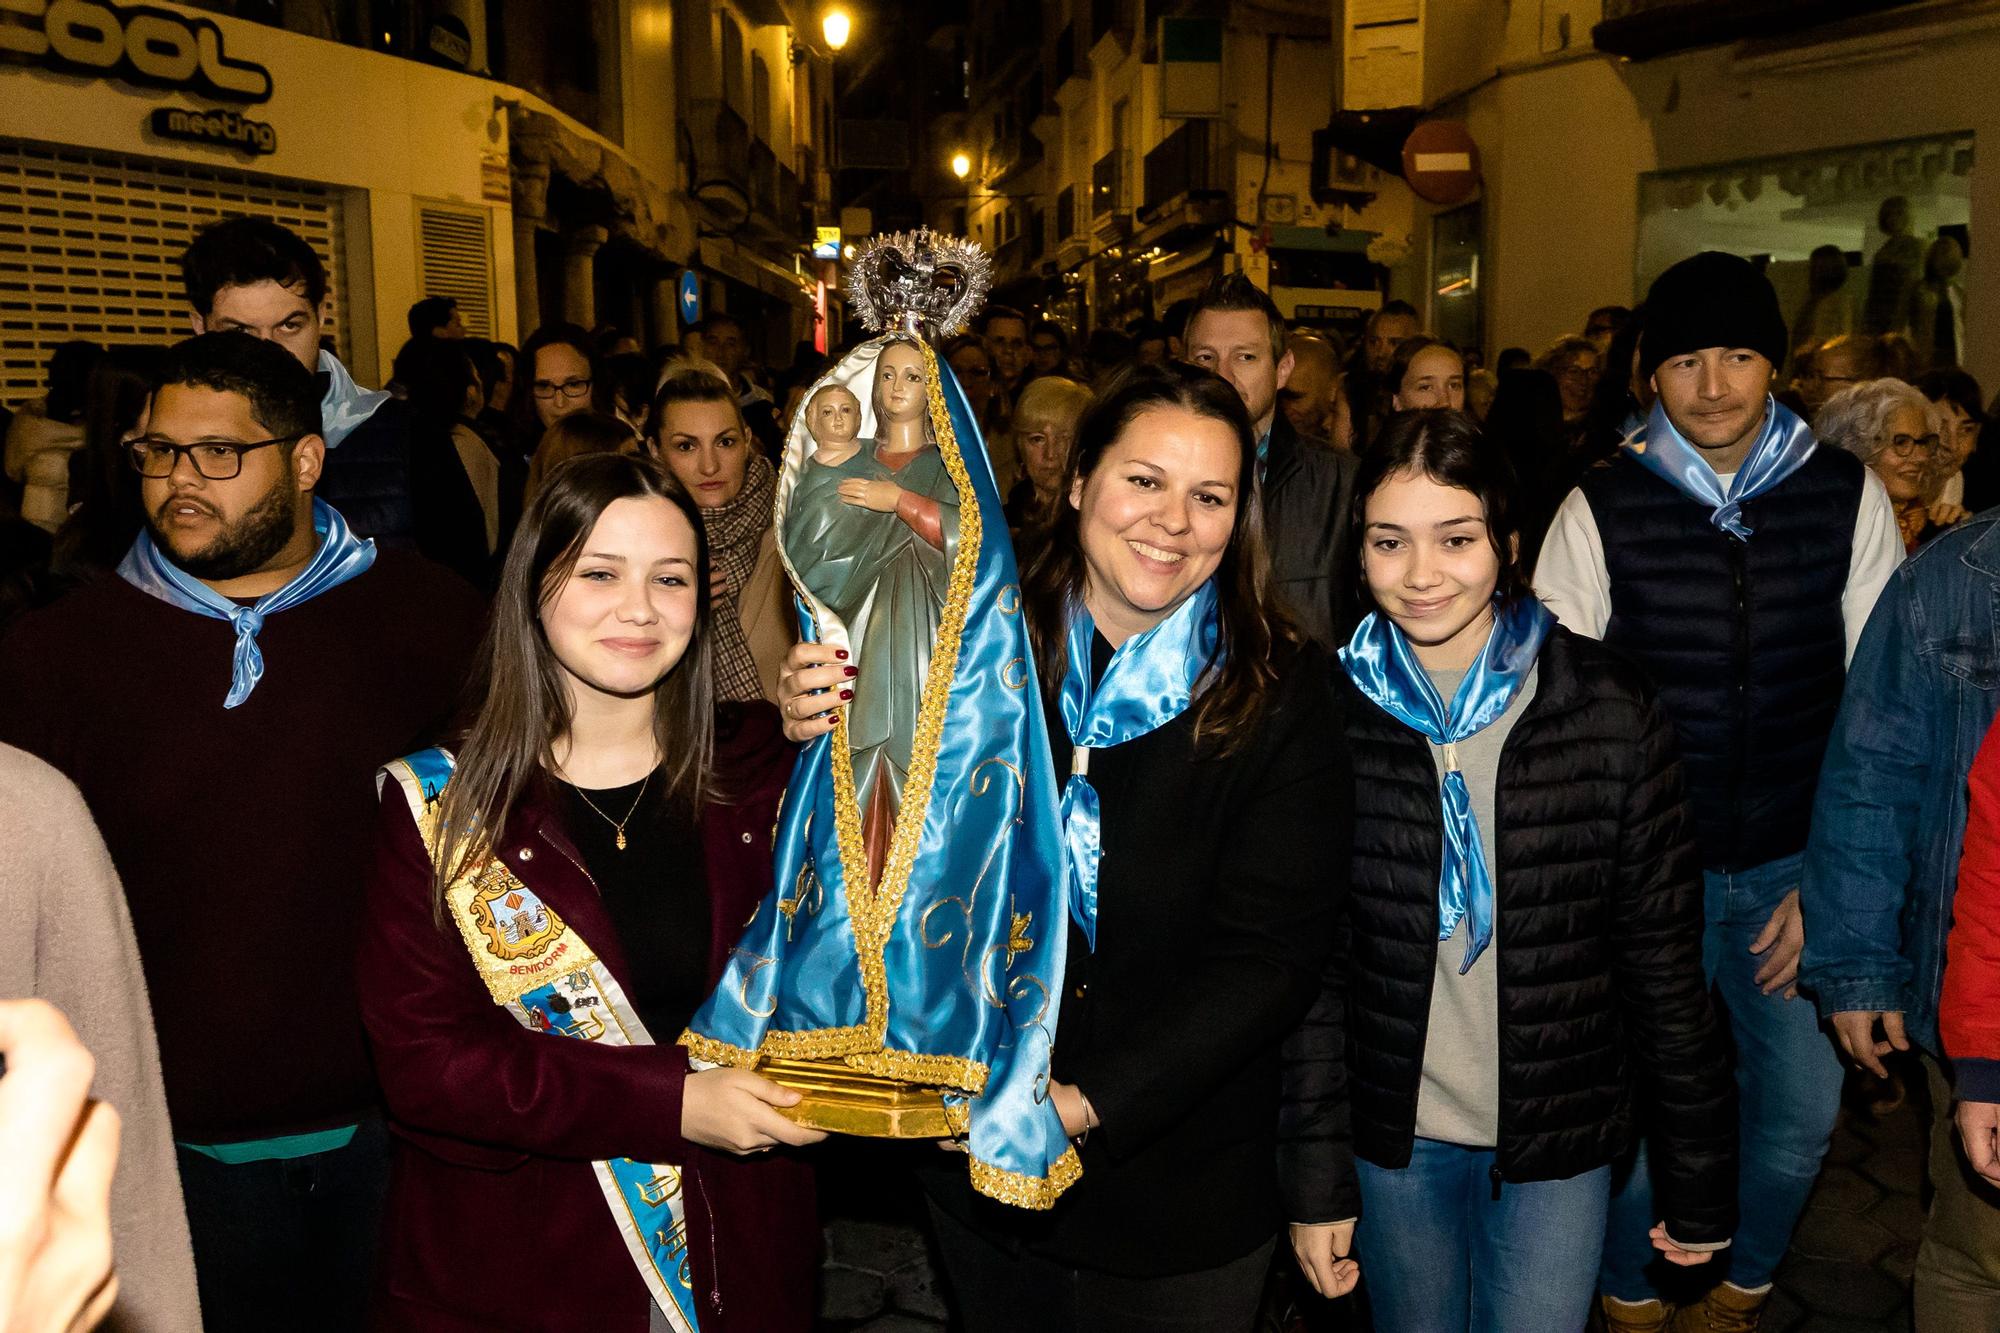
{"points": [[71, 944], [1458, 1100]]}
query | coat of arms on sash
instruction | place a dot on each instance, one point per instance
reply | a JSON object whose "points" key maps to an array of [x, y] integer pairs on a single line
{"points": [[902, 972], [516, 923]]}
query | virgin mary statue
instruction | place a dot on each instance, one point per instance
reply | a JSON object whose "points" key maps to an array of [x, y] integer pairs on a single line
{"points": [[899, 973]]}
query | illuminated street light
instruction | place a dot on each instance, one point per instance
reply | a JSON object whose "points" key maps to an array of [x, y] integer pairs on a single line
{"points": [[961, 165], [836, 27]]}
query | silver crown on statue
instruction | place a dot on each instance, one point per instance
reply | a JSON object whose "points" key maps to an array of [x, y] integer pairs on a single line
{"points": [[921, 282]]}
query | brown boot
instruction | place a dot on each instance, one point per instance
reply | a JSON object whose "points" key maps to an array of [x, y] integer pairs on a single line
{"points": [[1725, 1309], [1635, 1317]]}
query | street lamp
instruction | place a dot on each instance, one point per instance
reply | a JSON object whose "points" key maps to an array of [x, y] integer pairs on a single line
{"points": [[961, 165], [836, 27]]}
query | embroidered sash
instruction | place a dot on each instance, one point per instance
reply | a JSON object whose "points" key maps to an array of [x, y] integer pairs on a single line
{"points": [[542, 973]]}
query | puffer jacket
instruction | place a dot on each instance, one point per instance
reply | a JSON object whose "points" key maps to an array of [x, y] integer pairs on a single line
{"points": [[1605, 1026]]}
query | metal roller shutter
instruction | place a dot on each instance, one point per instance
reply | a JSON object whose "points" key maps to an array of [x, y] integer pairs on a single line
{"points": [[90, 246], [455, 258]]}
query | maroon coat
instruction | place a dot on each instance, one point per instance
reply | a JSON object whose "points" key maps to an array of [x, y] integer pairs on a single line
{"points": [[495, 1220]]}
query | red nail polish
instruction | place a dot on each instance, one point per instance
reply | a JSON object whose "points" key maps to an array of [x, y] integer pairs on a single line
{"points": [[840, 653], [847, 694], [852, 671]]}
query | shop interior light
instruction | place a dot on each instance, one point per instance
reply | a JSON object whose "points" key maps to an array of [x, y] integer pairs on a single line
{"points": [[836, 27]]}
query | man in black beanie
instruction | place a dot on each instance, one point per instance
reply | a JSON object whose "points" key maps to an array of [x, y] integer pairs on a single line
{"points": [[1737, 563]]}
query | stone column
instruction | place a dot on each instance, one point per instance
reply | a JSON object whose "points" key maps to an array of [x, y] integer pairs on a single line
{"points": [[531, 203], [580, 274]]}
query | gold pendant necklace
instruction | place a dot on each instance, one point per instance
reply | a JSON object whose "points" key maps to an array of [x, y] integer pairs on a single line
{"points": [[618, 825]]}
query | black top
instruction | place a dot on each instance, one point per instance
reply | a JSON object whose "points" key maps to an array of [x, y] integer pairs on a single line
{"points": [[1216, 897], [1746, 641], [244, 835], [654, 892], [1308, 497]]}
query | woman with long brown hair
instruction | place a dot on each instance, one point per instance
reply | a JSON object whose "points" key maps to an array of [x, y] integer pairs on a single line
{"points": [[1206, 817], [550, 905]]}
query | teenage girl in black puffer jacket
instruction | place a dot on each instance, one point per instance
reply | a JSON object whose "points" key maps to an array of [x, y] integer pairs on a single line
{"points": [[1518, 992]]}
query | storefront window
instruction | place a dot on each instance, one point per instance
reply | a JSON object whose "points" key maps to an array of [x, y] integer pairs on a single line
{"points": [[1871, 239], [1456, 303]]}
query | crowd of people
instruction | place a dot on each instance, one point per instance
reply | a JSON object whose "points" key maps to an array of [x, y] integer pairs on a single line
{"points": [[1573, 768]]}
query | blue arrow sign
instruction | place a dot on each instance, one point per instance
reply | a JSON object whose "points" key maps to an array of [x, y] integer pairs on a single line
{"points": [[690, 296]]}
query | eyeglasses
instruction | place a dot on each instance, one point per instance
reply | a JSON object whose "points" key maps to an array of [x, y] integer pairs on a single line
{"points": [[1902, 446], [217, 460], [567, 388]]}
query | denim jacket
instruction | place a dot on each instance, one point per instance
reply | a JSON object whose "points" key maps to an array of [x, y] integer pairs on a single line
{"points": [[1889, 818]]}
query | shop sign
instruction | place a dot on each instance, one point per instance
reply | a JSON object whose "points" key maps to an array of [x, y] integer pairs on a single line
{"points": [[143, 45], [225, 128], [826, 243]]}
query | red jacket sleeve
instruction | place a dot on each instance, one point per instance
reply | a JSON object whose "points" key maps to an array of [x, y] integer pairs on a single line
{"points": [[1969, 1009], [457, 1066]]}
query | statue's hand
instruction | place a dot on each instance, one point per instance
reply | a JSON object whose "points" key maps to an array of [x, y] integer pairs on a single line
{"points": [[880, 496]]}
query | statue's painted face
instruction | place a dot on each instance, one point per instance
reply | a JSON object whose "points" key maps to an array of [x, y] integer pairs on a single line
{"points": [[899, 384], [833, 416]]}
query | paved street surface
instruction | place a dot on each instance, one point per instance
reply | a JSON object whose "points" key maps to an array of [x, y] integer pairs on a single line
{"points": [[1848, 1272]]}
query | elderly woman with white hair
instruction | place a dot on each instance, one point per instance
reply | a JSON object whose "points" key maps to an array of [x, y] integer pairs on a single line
{"points": [[1897, 432]]}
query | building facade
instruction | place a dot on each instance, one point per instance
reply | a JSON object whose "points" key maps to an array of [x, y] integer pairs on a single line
{"points": [[1614, 137], [536, 164]]}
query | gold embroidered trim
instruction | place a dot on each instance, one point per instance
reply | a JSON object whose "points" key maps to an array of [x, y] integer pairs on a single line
{"points": [[1011, 1187], [932, 1071], [855, 1047]]}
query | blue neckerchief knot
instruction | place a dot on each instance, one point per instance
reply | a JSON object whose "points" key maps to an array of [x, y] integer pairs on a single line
{"points": [[340, 557], [1383, 666], [1781, 449], [1150, 682]]}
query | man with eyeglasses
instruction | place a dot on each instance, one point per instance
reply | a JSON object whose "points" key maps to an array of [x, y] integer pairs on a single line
{"points": [[1736, 560], [252, 275], [222, 704]]}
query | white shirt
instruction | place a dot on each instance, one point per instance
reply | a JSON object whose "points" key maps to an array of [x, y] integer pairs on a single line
{"points": [[1572, 579]]}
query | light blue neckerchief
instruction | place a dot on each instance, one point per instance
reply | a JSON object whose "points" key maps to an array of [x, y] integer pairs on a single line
{"points": [[340, 557], [345, 404], [1150, 682], [1383, 666], [1782, 449]]}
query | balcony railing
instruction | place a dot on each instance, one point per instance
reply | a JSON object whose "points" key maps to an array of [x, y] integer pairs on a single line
{"points": [[1184, 163], [722, 141], [1108, 194], [764, 181]]}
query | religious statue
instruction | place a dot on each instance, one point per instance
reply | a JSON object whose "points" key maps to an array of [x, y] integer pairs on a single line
{"points": [[901, 971], [872, 530]]}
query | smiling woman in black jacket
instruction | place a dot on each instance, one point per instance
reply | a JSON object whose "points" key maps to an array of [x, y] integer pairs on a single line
{"points": [[1207, 735], [1522, 990]]}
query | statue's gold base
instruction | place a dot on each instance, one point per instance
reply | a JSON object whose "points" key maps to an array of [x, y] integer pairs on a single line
{"points": [[841, 1100]]}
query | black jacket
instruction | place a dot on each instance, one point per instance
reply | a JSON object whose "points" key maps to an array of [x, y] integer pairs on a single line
{"points": [[1308, 494], [367, 477], [1214, 918], [1746, 641], [1604, 1019]]}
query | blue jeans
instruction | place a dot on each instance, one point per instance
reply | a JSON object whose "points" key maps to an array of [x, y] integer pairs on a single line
{"points": [[1788, 1093], [1439, 1254]]}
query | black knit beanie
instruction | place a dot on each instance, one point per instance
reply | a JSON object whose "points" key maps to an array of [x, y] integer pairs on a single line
{"points": [[1711, 300]]}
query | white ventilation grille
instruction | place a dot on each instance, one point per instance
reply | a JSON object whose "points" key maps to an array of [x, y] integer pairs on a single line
{"points": [[455, 258], [90, 246]]}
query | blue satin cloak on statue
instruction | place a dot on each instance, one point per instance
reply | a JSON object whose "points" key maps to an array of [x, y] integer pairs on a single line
{"points": [[948, 975]]}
